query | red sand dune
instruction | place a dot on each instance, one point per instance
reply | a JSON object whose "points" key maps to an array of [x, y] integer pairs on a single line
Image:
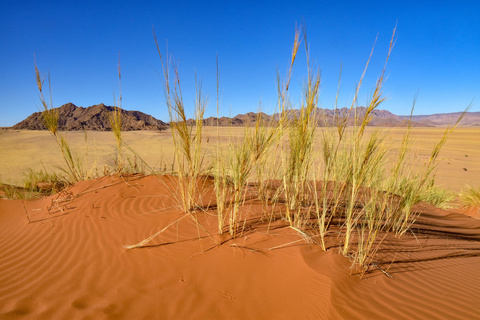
{"points": [[473, 211], [69, 263]]}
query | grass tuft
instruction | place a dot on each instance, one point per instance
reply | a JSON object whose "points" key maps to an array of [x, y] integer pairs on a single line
{"points": [[44, 182], [470, 196]]}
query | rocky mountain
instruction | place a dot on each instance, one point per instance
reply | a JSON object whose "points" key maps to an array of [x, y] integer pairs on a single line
{"points": [[95, 117]]}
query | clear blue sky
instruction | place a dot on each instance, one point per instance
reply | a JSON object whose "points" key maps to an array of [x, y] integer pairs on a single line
{"points": [[437, 52]]}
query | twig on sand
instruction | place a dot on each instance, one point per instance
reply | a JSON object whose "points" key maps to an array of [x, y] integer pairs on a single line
{"points": [[160, 210], [26, 211], [63, 202], [147, 240], [87, 190], [244, 247], [384, 272], [129, 184], [286, 244]]}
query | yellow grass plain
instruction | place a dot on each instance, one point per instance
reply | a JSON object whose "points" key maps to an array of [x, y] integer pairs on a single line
{"points": [[22, 150]]}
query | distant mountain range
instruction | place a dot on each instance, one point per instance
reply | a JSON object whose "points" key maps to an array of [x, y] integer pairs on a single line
{"points": [[97, 118], [380, 118]]}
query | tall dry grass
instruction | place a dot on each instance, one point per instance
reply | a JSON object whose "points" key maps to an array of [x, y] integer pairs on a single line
{"points": [[248, 159], [299, 155], [221, 181], [74, 166], [187, 138], [115, 118]]}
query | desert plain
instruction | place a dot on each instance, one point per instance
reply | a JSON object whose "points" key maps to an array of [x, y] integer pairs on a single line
{"points": [[22, 150], [63, 256]]}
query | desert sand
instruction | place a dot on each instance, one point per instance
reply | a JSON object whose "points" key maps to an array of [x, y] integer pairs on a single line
{"points": [[65, 256], [459, 159], [69, 262]]}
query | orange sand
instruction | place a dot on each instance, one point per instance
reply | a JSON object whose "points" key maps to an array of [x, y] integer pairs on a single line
{"points": [[69, 263]]}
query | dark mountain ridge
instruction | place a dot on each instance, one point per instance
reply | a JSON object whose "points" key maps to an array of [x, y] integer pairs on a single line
{"points": [[95, 117]]}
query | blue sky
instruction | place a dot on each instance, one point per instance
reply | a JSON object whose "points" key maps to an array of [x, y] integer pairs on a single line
{"points": [[437, 52]]}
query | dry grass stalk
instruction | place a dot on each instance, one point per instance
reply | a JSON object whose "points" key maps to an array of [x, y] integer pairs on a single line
{"points": [[300, 155], [26, 211], [147, 240], [115, 118], [187, 139], [50, 118]]}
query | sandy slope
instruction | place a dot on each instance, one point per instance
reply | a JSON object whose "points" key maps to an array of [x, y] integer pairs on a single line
{"points": [[69, 263]]}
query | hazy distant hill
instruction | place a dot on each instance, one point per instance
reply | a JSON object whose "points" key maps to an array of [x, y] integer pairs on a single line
{"points": [[471, 119], [324, 117], [95, 117], [380, 118]]}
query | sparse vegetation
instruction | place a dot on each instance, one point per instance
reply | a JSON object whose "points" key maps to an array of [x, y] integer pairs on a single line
{"points": [[336, 178]]}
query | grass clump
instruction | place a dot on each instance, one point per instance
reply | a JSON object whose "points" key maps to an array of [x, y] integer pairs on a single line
{"points": [[439, 197], [240, 165], [35, 184], [470, 196], [249, 158], [9, 191], [44, 182], [355, 188], [234, 169]]}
